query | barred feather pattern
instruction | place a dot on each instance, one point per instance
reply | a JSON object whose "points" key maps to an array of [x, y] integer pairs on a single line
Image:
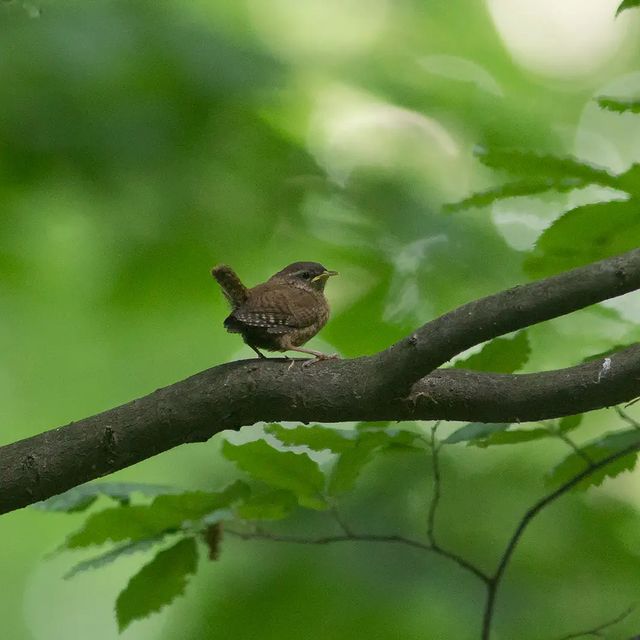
{"points": [[280, 314], [235, 292]]}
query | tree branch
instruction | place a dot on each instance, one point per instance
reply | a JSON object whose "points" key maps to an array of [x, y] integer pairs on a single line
{"points": [[441, 339], [363, 537], [597, 631], [435, 499], [495, 580], [368, 388]]}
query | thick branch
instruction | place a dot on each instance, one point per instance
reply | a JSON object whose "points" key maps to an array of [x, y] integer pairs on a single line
{"points": [[439, 340], [458, 394], [368, 388]]}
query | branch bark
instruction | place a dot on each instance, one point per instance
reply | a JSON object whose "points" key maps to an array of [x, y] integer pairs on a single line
{"points": [[396, 384]]}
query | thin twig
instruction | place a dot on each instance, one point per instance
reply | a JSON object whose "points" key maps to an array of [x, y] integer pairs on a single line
{"points": [[433, 506], [435, 500], [461, 562], [597, 631], [362, 537], [555, 431], [337, 516], [577, 450], [627, 418], [494, 581], [345, 537]]}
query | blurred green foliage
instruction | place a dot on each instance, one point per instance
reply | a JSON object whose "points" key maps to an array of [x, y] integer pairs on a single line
{"points": [[141, 143]]}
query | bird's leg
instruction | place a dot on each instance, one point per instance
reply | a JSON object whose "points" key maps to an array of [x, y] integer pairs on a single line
{"points": [[318, 354], [260, 355]]}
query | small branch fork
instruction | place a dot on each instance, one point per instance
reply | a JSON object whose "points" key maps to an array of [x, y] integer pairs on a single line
{"points": [[491, 581], [596, 632], [402, 382], [495, 580]]}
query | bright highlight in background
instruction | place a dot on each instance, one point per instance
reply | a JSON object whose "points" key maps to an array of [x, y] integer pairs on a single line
{"points": [[560, 37]]}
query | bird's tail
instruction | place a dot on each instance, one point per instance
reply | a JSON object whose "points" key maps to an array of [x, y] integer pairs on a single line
{"points": [[232, 287]]}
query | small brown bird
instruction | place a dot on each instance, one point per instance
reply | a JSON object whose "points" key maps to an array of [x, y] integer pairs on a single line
{"points": [[282, 313]]}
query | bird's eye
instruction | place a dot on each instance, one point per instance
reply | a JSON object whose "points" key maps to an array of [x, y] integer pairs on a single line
{"points": [[306, 275]]}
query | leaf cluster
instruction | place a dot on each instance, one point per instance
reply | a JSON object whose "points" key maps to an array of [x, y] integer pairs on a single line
{"points": [[307, 467], [580, 235], [302, 467]]}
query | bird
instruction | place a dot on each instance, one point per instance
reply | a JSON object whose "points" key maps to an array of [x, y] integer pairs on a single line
{"points": [[281, 314]]}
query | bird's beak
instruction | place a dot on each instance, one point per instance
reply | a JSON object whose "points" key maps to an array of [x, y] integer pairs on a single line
{"points": [[324, 275]]}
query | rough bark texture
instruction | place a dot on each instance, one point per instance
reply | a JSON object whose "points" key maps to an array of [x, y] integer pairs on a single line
{"points": [[399, 383]]}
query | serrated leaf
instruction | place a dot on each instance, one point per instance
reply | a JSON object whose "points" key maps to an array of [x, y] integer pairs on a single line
{"points": [[295, 472], [627, 4], [158, 583], [533, 165], [569, 423], [586, 234], [393, 436], [512, 437], [80, 498], [502, 355], [475, 430], [316, 437], [112, 555], [404, 438], [515, 190], [619, 105], [273, 504], [165, 513], [595, 451], [350, 464]]}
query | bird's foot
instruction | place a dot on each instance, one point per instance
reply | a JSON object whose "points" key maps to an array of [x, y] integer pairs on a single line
{"points": [[320, 357]]}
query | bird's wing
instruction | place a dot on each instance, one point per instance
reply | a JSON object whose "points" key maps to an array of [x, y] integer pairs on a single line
{"points": [[277, 308]]}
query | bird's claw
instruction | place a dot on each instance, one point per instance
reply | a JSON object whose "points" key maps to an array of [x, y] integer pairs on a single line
{"points": [[320, 358]]}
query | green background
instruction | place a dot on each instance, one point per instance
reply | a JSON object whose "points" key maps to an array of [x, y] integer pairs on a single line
{"points": [[143, 142]]}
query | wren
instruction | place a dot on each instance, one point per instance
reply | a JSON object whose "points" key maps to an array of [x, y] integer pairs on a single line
{"points": [[280, 314]]}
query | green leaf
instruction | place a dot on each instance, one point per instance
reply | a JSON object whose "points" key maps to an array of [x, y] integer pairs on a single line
{"points": [[110, 556], [595, 451], [512, 437], [586, 234], [393, 436], [403, 438], [316, 437], [475, 430], [619, 105], [295, 472], [273, 504], [630, 180], [569, 423], [82, 497], [532, 165], [165, 513], [158, 583], [194, 505], [627, 4], [515, 190], [502, 355], [349, 465]]}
